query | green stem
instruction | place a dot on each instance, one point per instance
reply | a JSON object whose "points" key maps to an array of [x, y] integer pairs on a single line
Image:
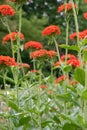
{"points": [[57, 49], [76, 22], [34, 67], [39, 103], [77, 30], [85, 102], [8, 28], [18, 40], [15, 76], [19, 59], [4, 82], [67, 35]]}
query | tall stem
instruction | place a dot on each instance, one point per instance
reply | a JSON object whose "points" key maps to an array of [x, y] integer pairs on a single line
{"points": [[85, 102], [57, 49], [67, 35], [8, 28], [77, 30], [39, 103], [18, 40]]}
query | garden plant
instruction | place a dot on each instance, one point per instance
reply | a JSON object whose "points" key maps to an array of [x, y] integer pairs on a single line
{"points": [[34, 99]]}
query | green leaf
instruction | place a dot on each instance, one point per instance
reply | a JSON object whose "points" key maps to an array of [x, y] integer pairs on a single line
{"points": [[45, 123], [64, 97], [84, 94], [68, 68], [24, 120], [75, 48], [84, 41], [13, 105], [69, 126], [85, 55], [79, 75], [56, 119]]}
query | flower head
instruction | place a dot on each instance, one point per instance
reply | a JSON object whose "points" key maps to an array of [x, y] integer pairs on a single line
{"points": [[57, 64], [73, 62], [85, 15], [43, 86], [61, 78], [33, 44], [17, 1], [38, 53], [52, 29], [6, 10], [67, 6], [7, 61], [35, 71], [51, 53], [82, 35], [73, 82], [25, 65], [69, 56], [12, 36], [11, 0], [85, 1]]}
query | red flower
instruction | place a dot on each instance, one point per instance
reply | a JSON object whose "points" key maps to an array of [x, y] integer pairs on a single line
{"points": [[85, 15], [73, 82], [35, 71], [8, 61], [25, 65], [12, 36], [6, 10], [57, 64], [43, 86], [61, 78], [50, 92], [38, 53], [73, 35], [51, 53], [11, 0], [85, 1], [52, 29], [69, 56], [82, 35], [68, 7], [74, 62], [33, 44]]}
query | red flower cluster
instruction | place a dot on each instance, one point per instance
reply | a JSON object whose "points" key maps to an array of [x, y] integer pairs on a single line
{"points": [[12, 36], [71, 60], [35, 71], [69, 56], [8, 61], [33, 44], [85, 15], [82, 35], [61, 78], [6, 10], [73, 82], [11, 0], [42, 53], [68, 7], [52, 29], [25, 65], [43, 86], [85, 1], [51, 53], [74, 62], [38, 53], [57, 64]]}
